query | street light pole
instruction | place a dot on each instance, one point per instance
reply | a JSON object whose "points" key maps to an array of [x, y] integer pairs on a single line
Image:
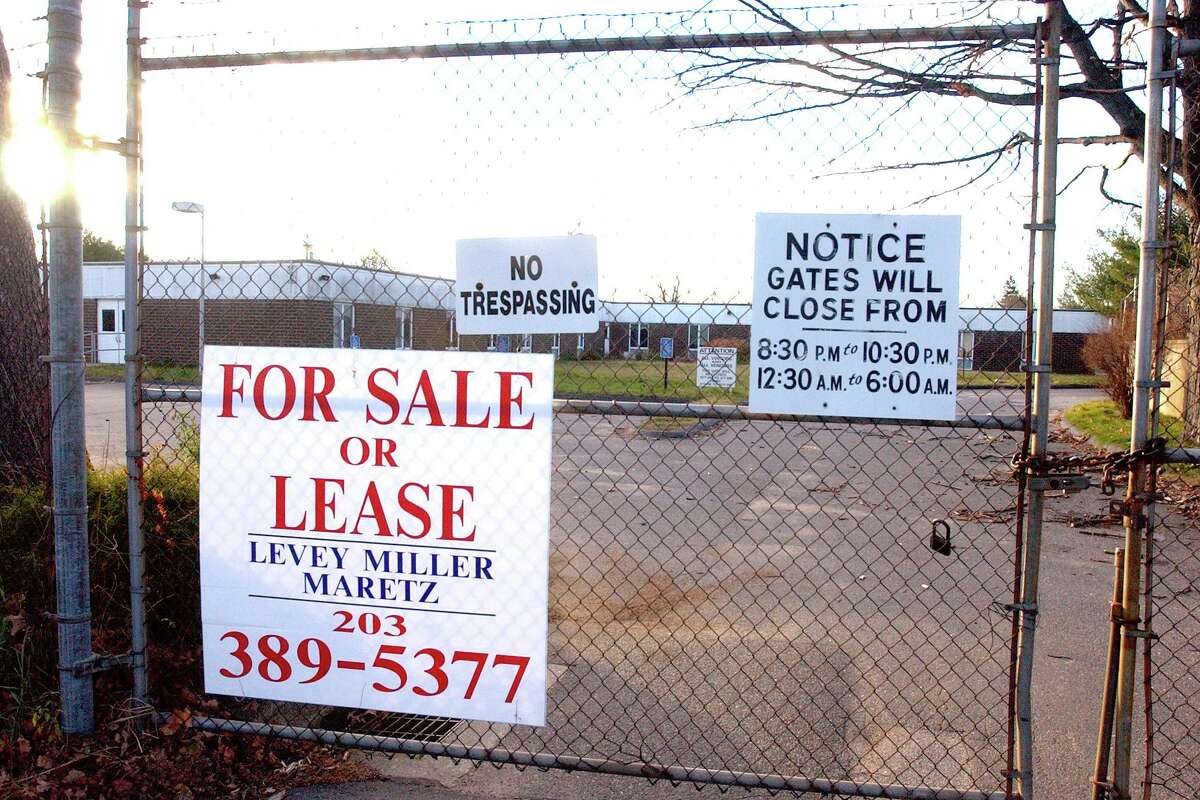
{"points": [[197, 208]]}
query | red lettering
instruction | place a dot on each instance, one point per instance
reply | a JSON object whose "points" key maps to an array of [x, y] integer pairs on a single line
{"points": [[228, 390], [317, 397], [508, 400], [326, 504], [383, 452], [364, 451], [460, 403], [281, 506], [376, 513], [386, 397], [260, 392], [450, 513], [413, 509], [425, 389]]}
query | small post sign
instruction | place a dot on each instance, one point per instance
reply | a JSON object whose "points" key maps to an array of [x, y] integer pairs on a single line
{"points": [[666, 351], [374, 529], [855, 315], [542, 285], [716, 367]]}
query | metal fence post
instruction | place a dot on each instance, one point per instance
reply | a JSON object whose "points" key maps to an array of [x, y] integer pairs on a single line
{"points": [[1143, 387], [1041, 367], [134, 489], [66, 380]]}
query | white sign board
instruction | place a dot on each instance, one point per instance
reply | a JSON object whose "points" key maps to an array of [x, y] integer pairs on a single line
{"points": [[855, 315], [374, 529], [542, 285], [716, 367]]}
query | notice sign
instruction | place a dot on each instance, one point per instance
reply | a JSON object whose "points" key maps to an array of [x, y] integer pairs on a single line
{"points": [[374, 529], [543, 285], [716, 367], [855, 315]]}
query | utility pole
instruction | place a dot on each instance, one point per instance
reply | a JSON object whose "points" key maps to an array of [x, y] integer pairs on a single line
{"points": [[64, 37]]}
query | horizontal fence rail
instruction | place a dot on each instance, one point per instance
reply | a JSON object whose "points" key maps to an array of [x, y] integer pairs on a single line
{"points": [[645, 408], [620, 44], [634, 769]]}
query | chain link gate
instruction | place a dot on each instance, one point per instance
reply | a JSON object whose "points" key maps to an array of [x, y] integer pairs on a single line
{"points": [[736, 599]]}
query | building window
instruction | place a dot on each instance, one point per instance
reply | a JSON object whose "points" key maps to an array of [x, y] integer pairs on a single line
{"points": [[579, 343], [556, 344], [639, 336], [108, 320], [453, 336], [343, 324], [966, 350], [697, 336], [607, 338], [404, 328], [527, 343]]}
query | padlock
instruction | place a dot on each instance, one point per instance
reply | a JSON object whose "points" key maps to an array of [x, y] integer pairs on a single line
{"points": [[939, 542]]}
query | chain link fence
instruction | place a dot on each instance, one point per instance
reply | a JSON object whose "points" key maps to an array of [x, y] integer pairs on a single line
{"points": [[734, 599], [1171, 613]]}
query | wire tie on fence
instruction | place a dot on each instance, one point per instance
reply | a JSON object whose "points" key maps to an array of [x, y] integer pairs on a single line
{"points": [[64, 226], [1029, 608], [1138, 633], [1040, 226], [69, 619], [1034, 369], [1164, 75], [1153, 384], [1046, 61], [67, 511], [1156, 244], [135, 453], [60, 358], [97, 663]]}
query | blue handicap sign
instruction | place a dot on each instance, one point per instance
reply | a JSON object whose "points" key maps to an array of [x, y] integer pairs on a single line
{"points": [[666, 347], [502, 344]]}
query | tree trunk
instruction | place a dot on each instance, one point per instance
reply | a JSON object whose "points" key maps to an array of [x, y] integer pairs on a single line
{"points": [[24, 331]]}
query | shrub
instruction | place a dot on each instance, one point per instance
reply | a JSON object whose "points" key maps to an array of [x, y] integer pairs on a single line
{"points": [[1110, 353], [28, 670]]}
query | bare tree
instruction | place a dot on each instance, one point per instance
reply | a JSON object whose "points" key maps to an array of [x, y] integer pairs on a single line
{"points": [[1100, 50], [24, 329]]}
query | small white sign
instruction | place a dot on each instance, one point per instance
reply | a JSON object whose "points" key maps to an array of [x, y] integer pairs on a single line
{"points": [[540, 285], [716, 367], [855, 315], [374, 529]]}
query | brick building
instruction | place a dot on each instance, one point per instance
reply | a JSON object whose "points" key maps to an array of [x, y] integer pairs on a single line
{"points": [[320, 304]]}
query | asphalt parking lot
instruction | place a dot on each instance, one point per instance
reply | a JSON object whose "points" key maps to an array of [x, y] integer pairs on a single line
{"points": [[762, 597]]}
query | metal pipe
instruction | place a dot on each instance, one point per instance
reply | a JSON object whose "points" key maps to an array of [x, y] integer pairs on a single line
{"points": [[1142, 369], [69, 456], [1104, 738], [203, 292], [624, 44], [647, 408], [134, 483], [1182, 455], [1043, 349], [636, 769]]}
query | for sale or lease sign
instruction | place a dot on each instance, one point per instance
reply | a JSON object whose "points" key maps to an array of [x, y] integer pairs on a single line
{"points": [[374, 529], [855, 315], [532, 285], [716, 367]]}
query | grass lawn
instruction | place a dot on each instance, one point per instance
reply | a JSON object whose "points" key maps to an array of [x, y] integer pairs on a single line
{"points": [[155, 373], [1101, 420]]}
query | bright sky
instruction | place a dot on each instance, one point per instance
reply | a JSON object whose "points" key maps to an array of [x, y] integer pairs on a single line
{"points": [[406, 157]]}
